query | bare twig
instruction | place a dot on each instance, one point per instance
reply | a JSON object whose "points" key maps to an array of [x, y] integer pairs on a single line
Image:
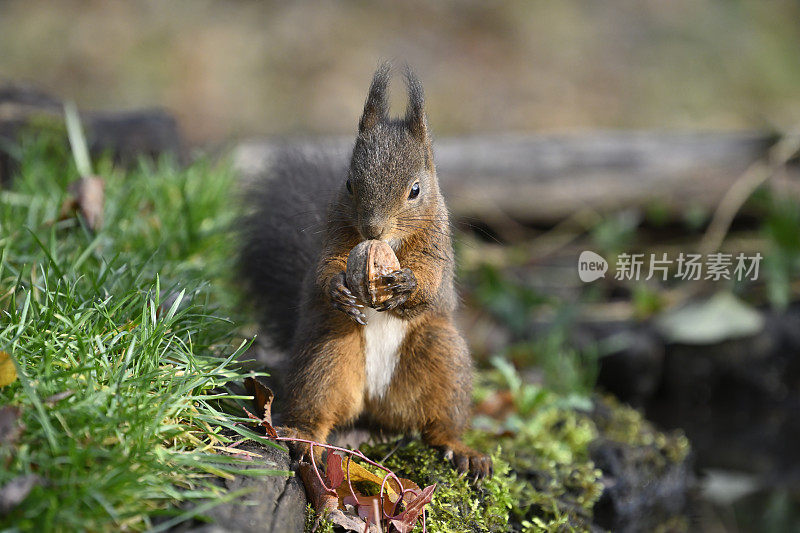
{"points": [[756, 175]]}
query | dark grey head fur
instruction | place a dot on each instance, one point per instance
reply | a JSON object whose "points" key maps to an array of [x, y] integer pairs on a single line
{"points": [[390, 156]]}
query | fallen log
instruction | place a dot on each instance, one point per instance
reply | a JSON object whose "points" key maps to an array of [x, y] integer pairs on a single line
{"points": [[546, 178]]}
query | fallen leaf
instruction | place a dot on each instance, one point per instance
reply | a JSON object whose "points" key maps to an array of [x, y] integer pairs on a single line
{"points": [[408, 484], [331, 500], [334, 471], [370, 509], [348, 522], [365, 505], [8, 372], [15, 491], [356, 473], [326, 502], [262, 398], [406, 520], [271, 432]]}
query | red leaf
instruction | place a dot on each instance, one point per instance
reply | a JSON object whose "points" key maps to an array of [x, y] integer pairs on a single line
{"points": [[366, 507], [334, 470], [368, 510], [408, 484], [267, 426], [270, 430], [406, 520]]}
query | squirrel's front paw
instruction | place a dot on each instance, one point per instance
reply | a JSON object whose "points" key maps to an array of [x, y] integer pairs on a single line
{"points": [[400, 284], [344, 300]]}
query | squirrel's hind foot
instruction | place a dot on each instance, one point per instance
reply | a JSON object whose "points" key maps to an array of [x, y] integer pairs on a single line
{"points": [[466, 460], [300, 451]]}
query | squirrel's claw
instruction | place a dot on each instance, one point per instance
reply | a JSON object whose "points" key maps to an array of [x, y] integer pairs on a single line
{"points": [[392, 302], [478, 465], [401, 283], [344, 300], [353, 311], [402, 280]]}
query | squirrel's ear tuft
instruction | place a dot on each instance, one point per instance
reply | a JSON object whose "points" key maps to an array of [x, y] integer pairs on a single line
{"points": [[376, 109], [415, 113]]}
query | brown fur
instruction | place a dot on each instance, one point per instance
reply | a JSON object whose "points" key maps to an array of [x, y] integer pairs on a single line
{"points": [[431, 386]]}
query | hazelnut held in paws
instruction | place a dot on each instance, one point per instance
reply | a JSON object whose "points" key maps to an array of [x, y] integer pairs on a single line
{"points": [[351, 263]]}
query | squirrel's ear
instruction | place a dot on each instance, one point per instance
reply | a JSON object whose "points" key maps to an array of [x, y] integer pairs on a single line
{"points": [[376, 109], [415, 113]]}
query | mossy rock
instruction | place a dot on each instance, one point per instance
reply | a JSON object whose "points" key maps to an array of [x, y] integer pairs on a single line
{"points": [[647, 472], [563, 469]]}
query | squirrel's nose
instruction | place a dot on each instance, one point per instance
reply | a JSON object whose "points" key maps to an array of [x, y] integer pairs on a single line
{"points": [[372, 229], [372, 232]]}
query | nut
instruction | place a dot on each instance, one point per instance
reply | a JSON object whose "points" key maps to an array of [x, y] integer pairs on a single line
{"points": [[366, 263]]}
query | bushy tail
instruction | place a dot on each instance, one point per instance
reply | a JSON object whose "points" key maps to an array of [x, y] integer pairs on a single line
{"points": [[281, 231]]}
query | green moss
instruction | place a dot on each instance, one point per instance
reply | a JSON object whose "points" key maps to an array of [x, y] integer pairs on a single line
{"points": [[545, 479], [545, 441], [458, 505], [620, 423], [321, 525], [554, 485]]}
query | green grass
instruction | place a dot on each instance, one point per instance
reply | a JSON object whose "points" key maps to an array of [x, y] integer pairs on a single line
{"points": [[128, 323]]}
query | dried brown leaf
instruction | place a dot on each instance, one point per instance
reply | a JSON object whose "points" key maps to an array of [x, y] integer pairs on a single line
{"points": [[498, 405], [262, 398], [370, 509], [408, 484], [349, 522], [365, 505], [271, 432]]}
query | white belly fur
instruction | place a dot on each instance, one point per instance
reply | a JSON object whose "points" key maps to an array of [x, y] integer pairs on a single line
{"points": [[383, 335]]}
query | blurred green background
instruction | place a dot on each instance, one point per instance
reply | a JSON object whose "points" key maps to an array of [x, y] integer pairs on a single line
{"points": [[239, 69], [243, 68]]}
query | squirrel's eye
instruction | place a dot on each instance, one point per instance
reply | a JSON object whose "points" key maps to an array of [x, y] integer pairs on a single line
{"points": [[349, 187], [414, 191]]}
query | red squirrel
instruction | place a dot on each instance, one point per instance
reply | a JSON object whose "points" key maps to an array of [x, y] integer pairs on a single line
{"points": [[402, 365]]}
